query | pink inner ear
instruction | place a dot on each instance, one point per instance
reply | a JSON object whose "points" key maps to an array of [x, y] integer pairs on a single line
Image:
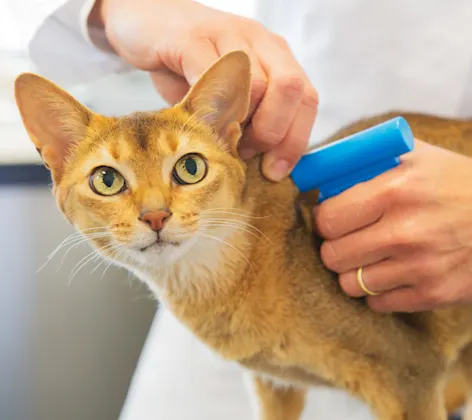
{"points": [[52, 157]]}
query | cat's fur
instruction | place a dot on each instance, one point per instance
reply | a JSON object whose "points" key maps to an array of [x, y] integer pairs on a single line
{"points": [[246, 276]]}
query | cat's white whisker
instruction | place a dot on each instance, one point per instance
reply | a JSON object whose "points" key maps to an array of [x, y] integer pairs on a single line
{"points": [[234, 211], [74, 239], [231, 246], [195, 114], [80, 241], [69, 238], [113, 249], [109, 263], [113, 252], [241, 222], [185, 123], [88, 258], [72, 236], [229, 224]]}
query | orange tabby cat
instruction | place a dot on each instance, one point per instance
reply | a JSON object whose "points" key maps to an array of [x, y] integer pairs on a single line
{"points": [[233, 255]]}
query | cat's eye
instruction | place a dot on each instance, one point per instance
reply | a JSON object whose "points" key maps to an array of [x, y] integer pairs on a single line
{"points": [[107, 181], [190, 169]]}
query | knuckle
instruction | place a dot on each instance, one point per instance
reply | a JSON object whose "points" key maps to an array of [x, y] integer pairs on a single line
{"points": [[252, 25], [391, 192], [291, 86], [348, 284], [396, 240], [280, 40], [432, 295], [323, 222], [329, 256], [259, 88], [425, 268], [263, 135], [310, 98]]}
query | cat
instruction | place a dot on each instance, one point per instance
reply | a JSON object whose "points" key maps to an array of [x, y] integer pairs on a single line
{"points": [[233, 256]]}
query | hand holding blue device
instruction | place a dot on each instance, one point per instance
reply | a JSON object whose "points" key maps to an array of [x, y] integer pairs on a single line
{"points": [[340, 165]]}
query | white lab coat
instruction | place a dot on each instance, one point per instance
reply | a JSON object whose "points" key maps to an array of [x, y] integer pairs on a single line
{"points": [[364, 57]]}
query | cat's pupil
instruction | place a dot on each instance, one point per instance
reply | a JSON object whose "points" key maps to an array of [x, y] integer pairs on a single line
{"points": [[191, 166], [108, 178]]}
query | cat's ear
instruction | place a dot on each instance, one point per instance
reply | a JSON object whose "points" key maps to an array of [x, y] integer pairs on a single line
{"points": [[221, 97], [54, 120]]}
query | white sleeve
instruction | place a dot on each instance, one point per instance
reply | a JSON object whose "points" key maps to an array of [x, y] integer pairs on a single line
{"points": [[62, 46]]}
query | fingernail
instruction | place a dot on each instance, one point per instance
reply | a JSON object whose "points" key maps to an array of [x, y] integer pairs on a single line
{"points": [[247, 153], [278, 170]]}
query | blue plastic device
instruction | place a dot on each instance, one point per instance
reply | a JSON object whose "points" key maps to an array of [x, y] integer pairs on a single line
{"points": [[338, 166]]}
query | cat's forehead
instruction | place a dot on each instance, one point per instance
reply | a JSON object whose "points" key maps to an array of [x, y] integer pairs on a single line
{"points": [[152, 136], [145, 141]]}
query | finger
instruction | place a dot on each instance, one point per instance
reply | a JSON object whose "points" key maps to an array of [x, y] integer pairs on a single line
{"points": [[284, 157], [225, 44], [273, 117], [282, 124], [284, 92], [359, 249], [196, 59], [378, 278], [357, 207], [169, 85]]}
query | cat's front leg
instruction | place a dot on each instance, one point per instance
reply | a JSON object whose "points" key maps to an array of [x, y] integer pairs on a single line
{"points": [[273, 401]]}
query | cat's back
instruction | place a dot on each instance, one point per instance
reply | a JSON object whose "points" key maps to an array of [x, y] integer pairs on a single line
{"points": [[449, 133]]}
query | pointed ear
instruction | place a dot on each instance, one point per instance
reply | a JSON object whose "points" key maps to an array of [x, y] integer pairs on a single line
{"points": [[54, 120], [221, 96]]}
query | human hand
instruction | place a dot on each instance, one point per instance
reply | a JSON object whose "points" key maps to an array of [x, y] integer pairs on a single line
{"points": [[411, 230], [178, 40]]}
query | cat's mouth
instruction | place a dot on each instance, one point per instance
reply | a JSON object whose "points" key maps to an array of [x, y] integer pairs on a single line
{"points": [[159, 245]]}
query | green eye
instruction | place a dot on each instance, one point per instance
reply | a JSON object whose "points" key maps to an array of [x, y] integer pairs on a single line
{"points": [[107, 181], [190, 169]]}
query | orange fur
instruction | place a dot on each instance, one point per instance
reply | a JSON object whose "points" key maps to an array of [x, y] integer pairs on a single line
{"points": [[237, 262]]}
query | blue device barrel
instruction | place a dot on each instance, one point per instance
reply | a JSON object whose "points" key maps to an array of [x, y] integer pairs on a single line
{"points": [[337, 166]]}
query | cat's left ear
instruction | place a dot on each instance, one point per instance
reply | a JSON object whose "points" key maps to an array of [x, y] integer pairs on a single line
{"points": [[221, 97], [54, 120]]}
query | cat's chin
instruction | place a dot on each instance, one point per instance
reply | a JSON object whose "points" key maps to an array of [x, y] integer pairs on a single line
{"points": [[161, 253], [158, 247]]}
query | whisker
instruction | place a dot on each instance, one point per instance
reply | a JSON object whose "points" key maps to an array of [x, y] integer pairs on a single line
{"points": [[203, 116], [73, 241], [111, 260], [221, 224], [185, 123], [244, 224], [234, 211], [70, 237], [85, 260], [231, 246], [112, 248], [89, 257], [81, 241]]}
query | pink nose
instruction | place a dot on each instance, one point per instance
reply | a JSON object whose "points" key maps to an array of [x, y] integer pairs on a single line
{"points": [[155, 219]]}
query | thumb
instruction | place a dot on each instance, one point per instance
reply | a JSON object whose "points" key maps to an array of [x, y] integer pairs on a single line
{"points": [[169, 85], [196, 59]]}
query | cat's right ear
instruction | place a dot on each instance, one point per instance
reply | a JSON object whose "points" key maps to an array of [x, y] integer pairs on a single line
{"points": [[54, 120], [221, 97]]}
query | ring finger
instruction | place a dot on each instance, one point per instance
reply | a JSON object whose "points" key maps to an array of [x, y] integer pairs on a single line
{"points": [[378, 278]]}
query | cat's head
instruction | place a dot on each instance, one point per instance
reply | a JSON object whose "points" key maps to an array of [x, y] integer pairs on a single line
{"points": [[146, 186]]}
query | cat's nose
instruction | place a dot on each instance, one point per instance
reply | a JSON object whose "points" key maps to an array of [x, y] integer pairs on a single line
{"points": [[155, 219]]}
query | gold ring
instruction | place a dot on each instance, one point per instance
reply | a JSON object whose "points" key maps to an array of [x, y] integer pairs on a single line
{"points": [[360, 280]]}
